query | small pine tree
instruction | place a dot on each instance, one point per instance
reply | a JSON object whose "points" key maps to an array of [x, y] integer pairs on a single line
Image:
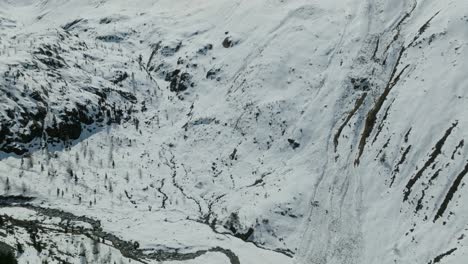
{"points": [[7, 185], [20, 248], [96, 248], [83, 253], [70, 171]]}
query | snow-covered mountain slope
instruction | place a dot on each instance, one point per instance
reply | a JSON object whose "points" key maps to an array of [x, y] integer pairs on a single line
{"points": [[266, 131]]}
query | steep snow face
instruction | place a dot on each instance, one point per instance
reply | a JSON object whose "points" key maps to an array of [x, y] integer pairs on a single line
{"points": [[261, 131]]}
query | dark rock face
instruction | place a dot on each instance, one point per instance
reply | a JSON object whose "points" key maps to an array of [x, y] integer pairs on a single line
{"points": [[72, 24], [33, 123], [106, 20], [29, 122], [120, 77], [212, 74], [7, 254], [229, 42], [233, 224], [70, 130], [293, 143], [41, 104], [111, 38], [50, 56], [360, 84], [179, 81], [168, 51]]}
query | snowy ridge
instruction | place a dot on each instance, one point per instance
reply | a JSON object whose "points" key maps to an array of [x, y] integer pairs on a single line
{"points": [[261, 131]]}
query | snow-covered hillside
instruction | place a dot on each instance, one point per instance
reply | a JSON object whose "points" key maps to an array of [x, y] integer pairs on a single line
{"points": [[234, 131]]}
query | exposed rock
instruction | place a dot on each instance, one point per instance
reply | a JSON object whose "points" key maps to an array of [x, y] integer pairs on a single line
{"points": [[205, 49], [7, 254], [230, 42], [179, 81], [293, 143]]}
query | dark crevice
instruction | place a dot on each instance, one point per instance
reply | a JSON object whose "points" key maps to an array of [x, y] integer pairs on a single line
{"points": [[422, 29], [374, 54], [419, 205], [260, 181], [404, 18], [459, 146], [173, 167], [71, 24], [129, 197], [434, 177], [437, 150], [382, 122], [392, 81], [383, 148], [156, 48], [165, 197], [451, 192], [207, 217], [398, 29], [357, 105], [397, 167], [372, 115], [441, 256], [407, 135]]}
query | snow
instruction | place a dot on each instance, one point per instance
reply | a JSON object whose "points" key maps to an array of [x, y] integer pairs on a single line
{"points": [[219, 151]]}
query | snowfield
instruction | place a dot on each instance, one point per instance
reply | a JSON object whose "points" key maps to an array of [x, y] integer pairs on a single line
{"points": [[262, 131]]}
